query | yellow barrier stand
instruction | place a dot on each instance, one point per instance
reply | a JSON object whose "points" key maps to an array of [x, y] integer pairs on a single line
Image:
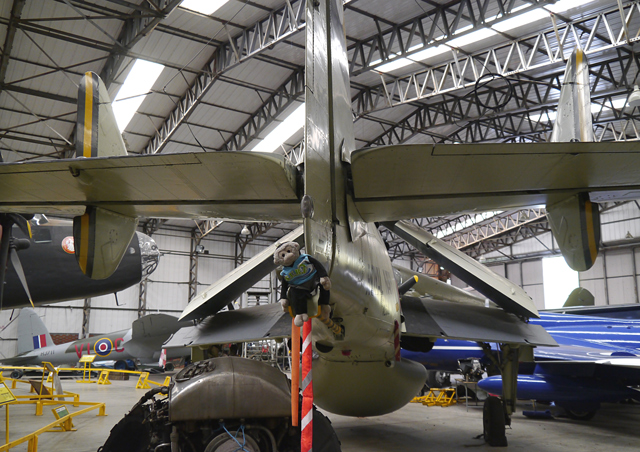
{"points": [[86, 360], [6, 399], [67, 426], [142, 381], [103, 379], [32, 438], [166, 382], [437, 397]]}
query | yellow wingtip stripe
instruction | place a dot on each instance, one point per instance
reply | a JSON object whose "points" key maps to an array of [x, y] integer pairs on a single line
{"points": [[88, 115], [83, 249], [593, 246], [415, 278]]}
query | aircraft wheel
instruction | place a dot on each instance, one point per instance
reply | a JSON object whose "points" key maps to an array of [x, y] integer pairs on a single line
{"points": [[17, 374], [437, 379], [131, 434], [493, 422], [580, 415], [324, 436]]}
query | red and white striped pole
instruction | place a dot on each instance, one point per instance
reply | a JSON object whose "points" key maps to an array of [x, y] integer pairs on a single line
{"points": [[306, 437]]}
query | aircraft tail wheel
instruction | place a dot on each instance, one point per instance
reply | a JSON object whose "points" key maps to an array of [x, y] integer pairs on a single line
{"points": [[580, 415], [493, 422]]}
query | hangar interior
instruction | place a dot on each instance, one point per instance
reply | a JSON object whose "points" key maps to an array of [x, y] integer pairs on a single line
{"points": [[422, 71]]}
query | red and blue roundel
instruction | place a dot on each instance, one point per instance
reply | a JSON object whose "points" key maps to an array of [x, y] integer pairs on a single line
{"points": [[103, 347]]}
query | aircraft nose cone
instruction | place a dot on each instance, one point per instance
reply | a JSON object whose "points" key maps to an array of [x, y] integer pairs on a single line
{"points": [[149, 254]]}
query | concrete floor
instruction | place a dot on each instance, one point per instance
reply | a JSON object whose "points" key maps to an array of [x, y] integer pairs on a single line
{"points": [[413, 428]]}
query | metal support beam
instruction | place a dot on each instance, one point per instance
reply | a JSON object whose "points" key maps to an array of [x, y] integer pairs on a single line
{"points": [[461, 72], [277, 26], [281, 99], [193, 264], [16, 13], [86, 317], [149, 227], [142, 298], [135, 27]]}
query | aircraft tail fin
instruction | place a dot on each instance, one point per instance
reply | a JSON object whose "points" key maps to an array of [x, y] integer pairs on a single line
{"points": [[32, 333], [573, 119], [575, 220], [101, 237], [579, 297], [97, 133]]}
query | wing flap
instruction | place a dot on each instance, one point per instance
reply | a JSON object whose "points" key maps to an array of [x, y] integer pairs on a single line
{"points": [[241, 325], [409, 181], [431, 318], [222, 292], [154, 325], [241, 185], [428, 286], [506, 294]]}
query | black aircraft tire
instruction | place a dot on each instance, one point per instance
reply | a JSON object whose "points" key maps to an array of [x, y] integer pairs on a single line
{"points": [[580, 415], [493, 422], [437, 379], [131, 434], [324, 436]]}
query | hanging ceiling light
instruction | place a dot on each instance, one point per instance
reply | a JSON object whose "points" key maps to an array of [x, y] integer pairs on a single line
{"points": [[634, 98], [245, 230]]}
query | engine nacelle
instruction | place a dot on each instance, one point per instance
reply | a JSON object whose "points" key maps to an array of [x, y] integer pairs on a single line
{"points": [[229, 388]]}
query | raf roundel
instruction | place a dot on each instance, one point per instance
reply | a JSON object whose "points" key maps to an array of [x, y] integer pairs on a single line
{"points": [[68, 245], [103, 347]]}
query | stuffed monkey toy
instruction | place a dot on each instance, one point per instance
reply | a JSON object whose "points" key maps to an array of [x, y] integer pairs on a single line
{"points": [[300, 276]]}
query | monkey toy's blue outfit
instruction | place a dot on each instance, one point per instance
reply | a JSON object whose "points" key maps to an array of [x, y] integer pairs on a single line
{"points": [[300, 280]]}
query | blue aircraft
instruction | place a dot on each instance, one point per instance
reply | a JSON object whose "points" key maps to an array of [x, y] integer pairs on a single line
{"points": [[598, 360]]}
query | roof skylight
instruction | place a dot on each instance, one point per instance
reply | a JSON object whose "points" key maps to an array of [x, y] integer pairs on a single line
{"points": [[206, 7], [285, 130], [135, 88]]}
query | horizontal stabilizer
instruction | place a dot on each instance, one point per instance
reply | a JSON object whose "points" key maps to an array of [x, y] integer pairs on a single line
{"points": [[432, 318], [224, 291], [248, 186], [622, 311], [267, 321], [154, 325], [503, 292], [431, 287], [425, 180]]}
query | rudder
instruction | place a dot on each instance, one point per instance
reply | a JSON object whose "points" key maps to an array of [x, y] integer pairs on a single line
{"points": [[32, 333], [97, 133]]}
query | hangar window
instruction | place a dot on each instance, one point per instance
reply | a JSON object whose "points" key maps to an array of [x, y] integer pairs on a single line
{"points": [[558, 281], [41, 235]]}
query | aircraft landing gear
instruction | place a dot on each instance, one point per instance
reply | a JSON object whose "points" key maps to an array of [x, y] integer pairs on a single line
{"points": [[497, 412], [493, 422]]}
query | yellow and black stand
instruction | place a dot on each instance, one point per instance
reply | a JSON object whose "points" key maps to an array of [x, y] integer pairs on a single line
{"points": [[67, 426], [86, 371], [6, 399]]}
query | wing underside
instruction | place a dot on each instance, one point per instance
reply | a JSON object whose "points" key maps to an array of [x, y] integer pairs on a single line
{"points": [[239, 185], [409, 181], [432, 318], [240, 325]]}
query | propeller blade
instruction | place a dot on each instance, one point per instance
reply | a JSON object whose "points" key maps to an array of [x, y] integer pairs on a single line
{"points": [[15, 260], [5, 227], [22, 222]]}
